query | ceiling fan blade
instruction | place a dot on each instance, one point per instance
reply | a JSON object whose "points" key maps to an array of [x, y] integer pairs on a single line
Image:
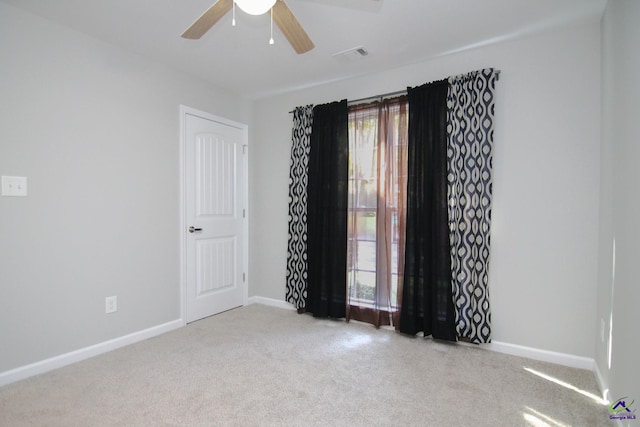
{"points": [[291, 28], [208, 19]]}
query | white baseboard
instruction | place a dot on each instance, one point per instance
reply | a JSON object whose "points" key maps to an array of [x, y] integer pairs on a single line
{"points": [[271, 302], [565, 359], [56, 362], [23, 372], [604, 389], [50, 364], [602, 384], [501, 347]]}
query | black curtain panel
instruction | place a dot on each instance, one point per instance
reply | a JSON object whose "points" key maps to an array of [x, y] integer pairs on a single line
{"points": [[427, 303], [327, 211]]}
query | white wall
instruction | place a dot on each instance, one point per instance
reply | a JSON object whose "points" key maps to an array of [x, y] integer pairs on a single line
{"points": [[546, 162], [618, 290], [96, 132]]}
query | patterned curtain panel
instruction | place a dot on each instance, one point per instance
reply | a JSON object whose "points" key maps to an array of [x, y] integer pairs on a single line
{"points": [[298, 180], [470, 105]]}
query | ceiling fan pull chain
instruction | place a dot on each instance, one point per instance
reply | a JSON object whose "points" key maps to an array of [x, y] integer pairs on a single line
{"points": [[233, 20], [271, 39]]}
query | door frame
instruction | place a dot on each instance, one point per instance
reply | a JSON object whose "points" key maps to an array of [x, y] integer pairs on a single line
{"points": [[184, 112]]}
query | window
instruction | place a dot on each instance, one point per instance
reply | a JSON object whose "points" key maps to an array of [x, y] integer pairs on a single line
{"points": [[377, 192]]}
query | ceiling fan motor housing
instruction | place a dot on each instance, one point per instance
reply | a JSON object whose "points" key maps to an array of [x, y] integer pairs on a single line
{"points": [[255, 7]]}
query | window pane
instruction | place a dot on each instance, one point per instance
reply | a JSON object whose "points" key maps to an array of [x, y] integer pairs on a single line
{"points": [[394, 258], [351, 258], [394, 291], [366, 225], [362, 286], [367, 191], [394, 229], [366, 256]]}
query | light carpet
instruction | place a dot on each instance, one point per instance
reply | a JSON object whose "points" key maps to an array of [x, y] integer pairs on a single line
{"points": [[260, 365]]}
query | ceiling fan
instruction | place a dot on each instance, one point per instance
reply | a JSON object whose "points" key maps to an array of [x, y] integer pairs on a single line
{"points": [[281, 13]]}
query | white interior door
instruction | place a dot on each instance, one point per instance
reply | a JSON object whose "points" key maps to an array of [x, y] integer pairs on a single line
{"points": [[215, 228]]}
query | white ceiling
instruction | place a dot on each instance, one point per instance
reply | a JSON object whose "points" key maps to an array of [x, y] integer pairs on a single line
{"points": [[395, 32]]}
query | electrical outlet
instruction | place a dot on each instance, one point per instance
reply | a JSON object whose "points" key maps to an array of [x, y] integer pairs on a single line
{"points": [[111, 304]]}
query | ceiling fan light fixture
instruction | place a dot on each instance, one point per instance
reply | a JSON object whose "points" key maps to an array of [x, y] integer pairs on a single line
{"points": [[255, 7]]}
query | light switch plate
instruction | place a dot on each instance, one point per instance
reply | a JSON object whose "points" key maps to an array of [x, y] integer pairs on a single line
{"points": [[14, 186]]}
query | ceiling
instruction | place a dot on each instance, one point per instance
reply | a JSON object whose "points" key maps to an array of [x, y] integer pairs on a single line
{"points": [[239, 59]]}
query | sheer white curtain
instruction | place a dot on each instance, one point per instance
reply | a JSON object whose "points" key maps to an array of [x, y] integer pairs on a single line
{"points": [[377, 192]]}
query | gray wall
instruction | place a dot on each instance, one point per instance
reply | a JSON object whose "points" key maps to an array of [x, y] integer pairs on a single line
{"points": [[545, 218], [96, 132], [618, 290], [95, 129]]}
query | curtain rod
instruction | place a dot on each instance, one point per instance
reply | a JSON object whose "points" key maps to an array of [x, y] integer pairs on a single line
{"points": [[396, 93], [384, 95]]}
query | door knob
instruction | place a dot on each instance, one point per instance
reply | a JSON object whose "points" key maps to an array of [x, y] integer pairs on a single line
{"points": [[192, 229]]}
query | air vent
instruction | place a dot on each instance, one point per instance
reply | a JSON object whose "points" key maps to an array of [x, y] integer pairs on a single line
{"points": [[351, 54]]}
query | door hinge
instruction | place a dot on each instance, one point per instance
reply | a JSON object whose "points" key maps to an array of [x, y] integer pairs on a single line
{"points": [[244, 213], [244, 149], [244, 277]]}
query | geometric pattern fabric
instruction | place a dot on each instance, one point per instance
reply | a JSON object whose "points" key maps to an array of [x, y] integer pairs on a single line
{"points": [[297, 268], [470, 112]]}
